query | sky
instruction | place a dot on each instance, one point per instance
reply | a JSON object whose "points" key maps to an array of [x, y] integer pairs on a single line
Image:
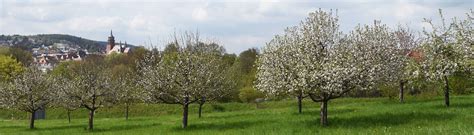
{"points": [[235, 24]]}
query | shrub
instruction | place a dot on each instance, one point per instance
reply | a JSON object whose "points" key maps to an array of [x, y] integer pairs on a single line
{"points": [[390, 90], [249, 94], [461, 83], [424, 88], [218, 108]]}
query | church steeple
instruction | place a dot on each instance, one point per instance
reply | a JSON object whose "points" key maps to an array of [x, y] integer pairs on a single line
{"points": [[122, 47], [111, 42]]}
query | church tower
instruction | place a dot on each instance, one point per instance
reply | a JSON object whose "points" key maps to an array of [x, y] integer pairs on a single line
{"points": [[111, 42]]}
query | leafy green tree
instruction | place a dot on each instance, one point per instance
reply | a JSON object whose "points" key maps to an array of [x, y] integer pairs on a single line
{"points": [[249, 94], [462, 83], [171, 48], [229, 59], [118, 59], [137, 55], [65, 69], [22, 56], [9, 68], [247, 60], [243, 72], [231, 73]]}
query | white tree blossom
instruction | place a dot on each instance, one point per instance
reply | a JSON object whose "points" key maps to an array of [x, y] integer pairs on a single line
{"points": [[127, 87], [317, 59], [408, 63], [464, 33], [182, 77], [62, 86], [390, 52], [91, 87], [446, 49], [214, 83], [29, 92]]}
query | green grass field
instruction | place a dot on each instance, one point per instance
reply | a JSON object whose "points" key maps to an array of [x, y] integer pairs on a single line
{"points": [[346, 116]]}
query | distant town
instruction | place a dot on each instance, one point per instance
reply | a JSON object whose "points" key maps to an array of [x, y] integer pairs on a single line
{"points": [[49, 50]]}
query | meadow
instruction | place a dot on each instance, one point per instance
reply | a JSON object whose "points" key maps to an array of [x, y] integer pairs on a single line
{"points": [[346, 116]]}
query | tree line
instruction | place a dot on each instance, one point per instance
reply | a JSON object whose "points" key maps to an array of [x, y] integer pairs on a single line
{"points": [[35, 41]]}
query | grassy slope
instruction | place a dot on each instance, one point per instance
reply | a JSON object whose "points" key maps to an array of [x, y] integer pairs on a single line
{"points": [[346, 116]]}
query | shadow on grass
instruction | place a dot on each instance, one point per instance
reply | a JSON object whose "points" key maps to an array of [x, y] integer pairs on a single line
{"points": [[416, 100], [12, 127], [137, 119], [125, 127], [421, 100], [84, 127], [61, 127], [313, 112], [381, 119], [225, 126], [441, 105], [25, 128], [227, 116]]}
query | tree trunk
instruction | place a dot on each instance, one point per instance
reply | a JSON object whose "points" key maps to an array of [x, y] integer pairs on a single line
{"points": [[446, 91], [32, 120], [185, 112], [126, 111], [300, 105], [203, 100], [91, 120], [324, 113], [402, 92], [69, 116], [200, 110]]}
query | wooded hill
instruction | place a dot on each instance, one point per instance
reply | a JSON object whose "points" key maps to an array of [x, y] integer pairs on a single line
{"points": [[32, 41]]}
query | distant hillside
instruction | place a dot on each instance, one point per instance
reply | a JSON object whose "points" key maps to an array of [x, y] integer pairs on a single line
{"points": [[34, 41]]}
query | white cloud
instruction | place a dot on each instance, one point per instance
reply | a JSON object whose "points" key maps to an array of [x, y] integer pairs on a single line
{"points": [[141, 23], [237, 24], [91, 23], [405, 10], [239, 43], [200, 14]]}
